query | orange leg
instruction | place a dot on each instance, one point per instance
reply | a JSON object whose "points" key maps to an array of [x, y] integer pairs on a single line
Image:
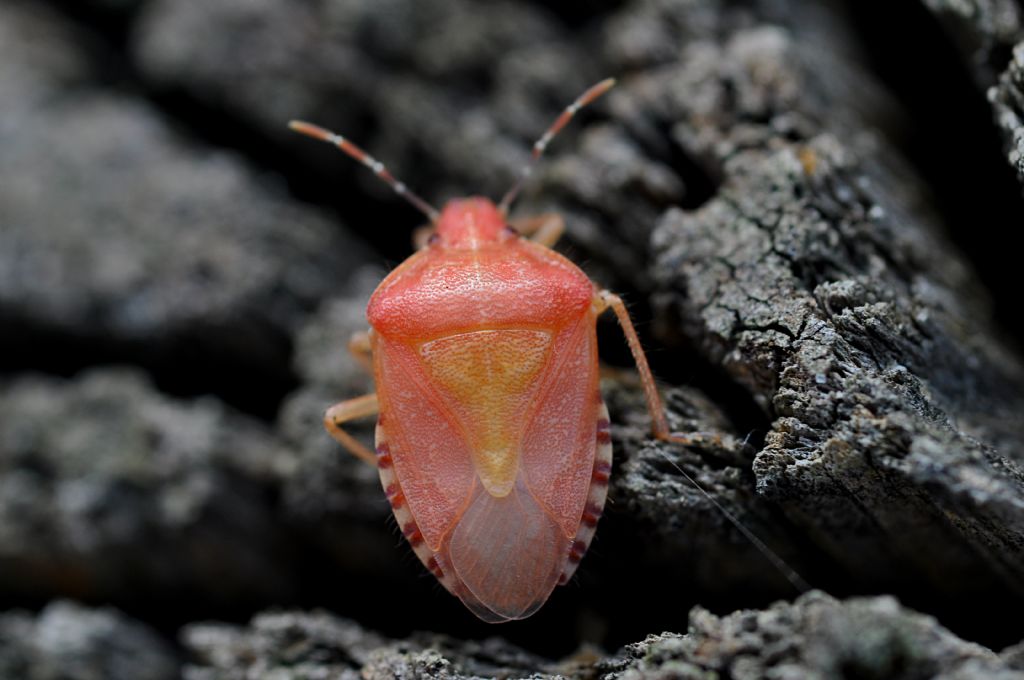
{"points": [[659, 421], [544, 229], [360, 349], [607, 299], [421, 235], [347, 410]]}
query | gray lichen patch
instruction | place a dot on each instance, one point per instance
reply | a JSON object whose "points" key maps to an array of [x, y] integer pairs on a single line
{"points": [[68, 640], [110, 490], [1007, 99]]}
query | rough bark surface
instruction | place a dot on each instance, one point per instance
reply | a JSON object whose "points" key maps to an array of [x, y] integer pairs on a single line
{"points": [[174, 318], [815, 637], [1008, 103]]}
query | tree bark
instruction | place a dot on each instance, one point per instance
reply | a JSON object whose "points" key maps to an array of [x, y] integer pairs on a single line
{"points": [[748, 188]]}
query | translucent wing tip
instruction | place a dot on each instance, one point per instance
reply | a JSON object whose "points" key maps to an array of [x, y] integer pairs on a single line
{"points": [[507, 554]]}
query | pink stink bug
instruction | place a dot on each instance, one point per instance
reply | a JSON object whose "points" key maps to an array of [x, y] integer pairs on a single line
{"points": [[492, 438]]}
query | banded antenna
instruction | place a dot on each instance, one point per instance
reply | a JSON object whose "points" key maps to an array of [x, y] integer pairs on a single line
{"points": [[541, 144], [324, 135]]}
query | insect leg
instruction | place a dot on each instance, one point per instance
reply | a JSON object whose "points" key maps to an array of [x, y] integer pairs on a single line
{"points": [[421, 236], [360, 349], [659, 421], [347, 410], [608, 299], [659, 424], [544, 229]]}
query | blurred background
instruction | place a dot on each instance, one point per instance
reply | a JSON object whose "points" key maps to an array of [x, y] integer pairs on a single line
{"points": [[179, 275]]}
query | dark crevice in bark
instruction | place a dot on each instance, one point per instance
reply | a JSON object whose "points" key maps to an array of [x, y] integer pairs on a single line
{"points": [[579, 13], [106, 32], [187, 365], [950, 140], [700, 180]]}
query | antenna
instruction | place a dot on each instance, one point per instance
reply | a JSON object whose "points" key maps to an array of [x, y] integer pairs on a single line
{"points": [[541, 144], [317, 132]]}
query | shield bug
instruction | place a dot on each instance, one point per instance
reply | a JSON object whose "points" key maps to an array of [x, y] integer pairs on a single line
{"points": [[492, 438]]}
